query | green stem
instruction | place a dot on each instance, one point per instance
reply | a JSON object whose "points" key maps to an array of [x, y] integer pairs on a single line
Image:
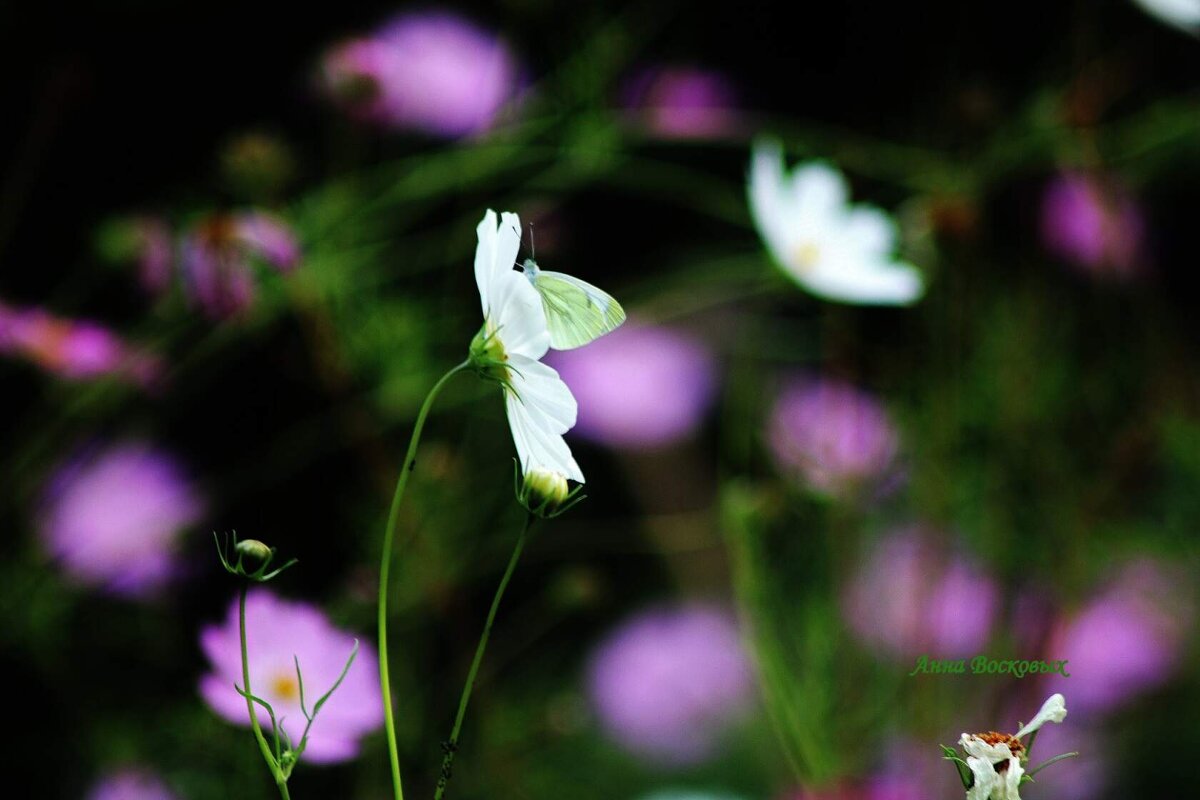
{"points": [[276, 773], [385, 568], [451, 744]]}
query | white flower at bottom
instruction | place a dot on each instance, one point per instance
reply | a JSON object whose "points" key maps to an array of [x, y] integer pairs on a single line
{"points": [[833, 249], [997, 760], [514, 337]]}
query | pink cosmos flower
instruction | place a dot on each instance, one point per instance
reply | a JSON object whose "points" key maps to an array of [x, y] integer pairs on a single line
{"points": [[276, 631], [667, 682], [1091, 222], [432, 71], [912, 596], [678, 102], [75, 350], [831, 436], [130, 784], [217, 255], [640, 386], [113, 516]]}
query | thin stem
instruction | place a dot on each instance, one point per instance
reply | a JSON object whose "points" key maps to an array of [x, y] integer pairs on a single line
{"points": [[451, 745], [276, 773], [385, 568]]}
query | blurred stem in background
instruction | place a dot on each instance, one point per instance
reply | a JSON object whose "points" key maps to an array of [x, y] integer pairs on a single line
{"points": [[796, 697], [451, 744], [385, 566]]}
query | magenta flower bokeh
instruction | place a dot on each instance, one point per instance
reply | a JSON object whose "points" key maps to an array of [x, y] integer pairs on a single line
{"points": [[1093, 224], [912, 596], [113, 517], [667, 682], [130, 784], [681, 102], [76, 350], [640, 386], [831, 437], [431, 71], [218, 253], [1126, 641], [277, 630]]}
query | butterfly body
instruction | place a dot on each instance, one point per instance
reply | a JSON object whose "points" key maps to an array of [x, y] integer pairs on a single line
{"points": [[576, 311]]}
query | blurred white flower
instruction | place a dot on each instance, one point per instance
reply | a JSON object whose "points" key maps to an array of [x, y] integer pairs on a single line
{"points": [[507, 349], [835, 250], [1183, 14]]}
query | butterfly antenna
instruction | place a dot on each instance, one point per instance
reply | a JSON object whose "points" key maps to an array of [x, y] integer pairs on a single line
{"points": [[532, 244]]}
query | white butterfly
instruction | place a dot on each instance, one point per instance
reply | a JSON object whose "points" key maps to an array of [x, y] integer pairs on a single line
{"points": [[576, 311]]}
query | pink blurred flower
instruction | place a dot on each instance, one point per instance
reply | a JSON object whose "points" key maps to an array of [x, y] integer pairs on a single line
{"points": [[431, 71], [677, 102], [217, 255], [639, 386], [1091, 222], [277, 630], [667, 682], [1126, 641], [831, 436], [913, 596], [113, 516], [879, 788], [73, 349], [130, 784]]}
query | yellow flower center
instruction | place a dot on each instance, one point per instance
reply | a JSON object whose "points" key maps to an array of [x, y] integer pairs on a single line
{"points": [[285, 687], [806, 255]]}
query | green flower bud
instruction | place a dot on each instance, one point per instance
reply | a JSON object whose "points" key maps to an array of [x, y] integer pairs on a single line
{"points": [[253, 548], [544, 491]]}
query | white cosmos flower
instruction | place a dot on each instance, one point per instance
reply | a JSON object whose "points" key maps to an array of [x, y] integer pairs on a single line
{"points": [[996, 759], [833, 249], [514, 337], [1183, 14]]}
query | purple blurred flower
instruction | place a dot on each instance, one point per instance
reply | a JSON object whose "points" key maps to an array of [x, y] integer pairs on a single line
{"points": [[639, 386], [1094, 224], [678, 102], [832, 436], [130, 784], [277, 630], [668, 681], [432, 71], [877, 788], [1125, 641], [113, 516], [913, 596], [73, 349], [217, 253]]}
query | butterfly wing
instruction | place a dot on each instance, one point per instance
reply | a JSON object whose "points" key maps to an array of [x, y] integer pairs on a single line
{"points": [[576, 311]]}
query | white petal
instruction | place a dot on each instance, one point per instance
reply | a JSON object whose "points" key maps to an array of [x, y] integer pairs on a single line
{"points": [[508, 242], [544, 393], [1053, 710], [769, 204], [985, 778], [1010, 782], [1181, 13], [873, 283], [485, 257], [818, 192], [518, 316], [978, 748], [536, 446], [871, 230]]}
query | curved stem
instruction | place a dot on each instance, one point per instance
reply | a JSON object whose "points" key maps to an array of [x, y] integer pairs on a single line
{"points": [[385, 568], [280, 780], [451, 745]]}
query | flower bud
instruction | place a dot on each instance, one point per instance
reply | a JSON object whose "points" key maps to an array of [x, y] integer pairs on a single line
{"points": [[544, 490], [254, 549], [487, 355]]}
